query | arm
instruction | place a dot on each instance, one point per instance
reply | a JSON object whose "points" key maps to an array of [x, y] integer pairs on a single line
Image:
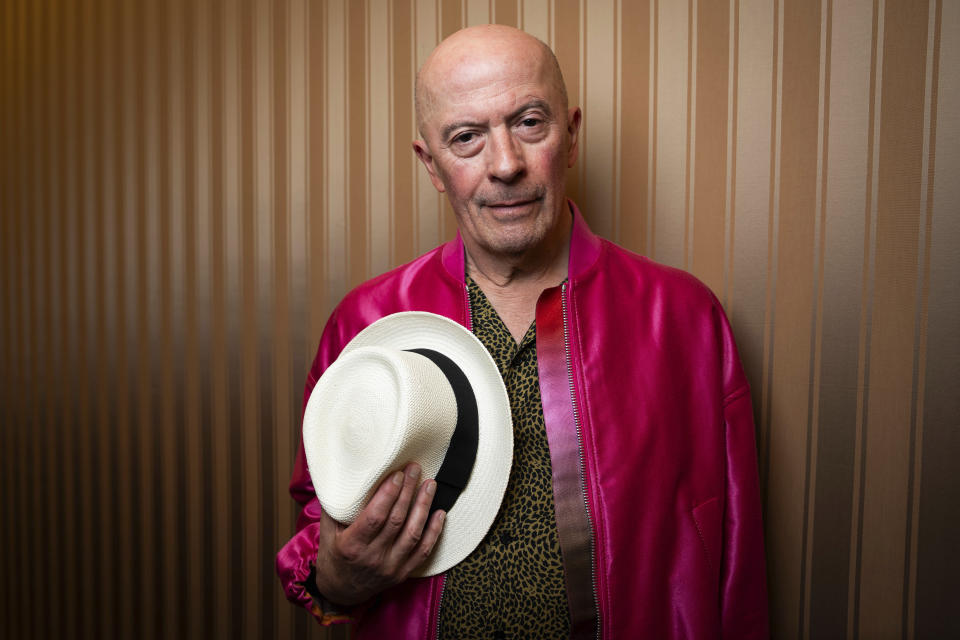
{"points": [[743, 580], [350, 564]]}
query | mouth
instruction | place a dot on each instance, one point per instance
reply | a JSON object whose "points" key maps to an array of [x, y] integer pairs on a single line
{"points": [[506, 206]]}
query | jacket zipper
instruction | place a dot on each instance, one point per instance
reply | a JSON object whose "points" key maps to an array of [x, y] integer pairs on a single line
{"points": [[583, 468], [436, 630]]}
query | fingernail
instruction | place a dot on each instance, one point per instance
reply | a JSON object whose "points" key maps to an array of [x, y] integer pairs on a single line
{"points": [[441, 517], [413, 471], [431, 488], [398, 478]]}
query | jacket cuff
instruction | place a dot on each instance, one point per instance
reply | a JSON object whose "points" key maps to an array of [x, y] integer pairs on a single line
{"points": [[322, 609]]}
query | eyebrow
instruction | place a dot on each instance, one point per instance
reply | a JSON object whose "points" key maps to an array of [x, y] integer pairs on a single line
{"points": [[535, 103]]}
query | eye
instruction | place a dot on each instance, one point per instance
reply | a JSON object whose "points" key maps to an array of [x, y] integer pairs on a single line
{"points": [[530, 121], [464, 138]]}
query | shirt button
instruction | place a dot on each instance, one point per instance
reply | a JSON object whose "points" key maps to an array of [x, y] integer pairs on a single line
{"points": [[505, 538]]}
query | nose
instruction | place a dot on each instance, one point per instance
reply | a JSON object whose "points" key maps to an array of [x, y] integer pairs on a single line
{"points": [[505, 157]]}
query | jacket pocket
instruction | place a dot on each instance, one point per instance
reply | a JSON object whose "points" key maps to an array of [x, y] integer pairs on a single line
{"points": [[707, 517]]}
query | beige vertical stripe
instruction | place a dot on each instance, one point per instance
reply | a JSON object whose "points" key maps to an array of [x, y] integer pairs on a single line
{"points": [[429, 205], [357, 213], [581, 167], [898, 219], [405, 170], [32, 158], [25, 311], [335, 134], [710, 96], [535, 18], [83, 256], [652, 126], [249, 260], [51, 40], [315, 264], [106, 313], [599, 147], [566, 46], [235, 137], [477, 12], [617, 177], [816, 338], [126, 295], [69, 326], [299, 88], [792, 300], [291, 363], [922, 308], [12, 562], [171, 305], [192, 596], [273, 298], [7, 506], [451, 16], [865, 334], [730, 202], [842, 248], [773, 230], [752, 182], [634, 112], [691, 132], [278, 417], [671, 139], [379, 137]]}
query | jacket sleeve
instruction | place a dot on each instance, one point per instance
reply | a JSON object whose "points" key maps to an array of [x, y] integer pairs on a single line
{"points": [[743, 585], [295, 560]]}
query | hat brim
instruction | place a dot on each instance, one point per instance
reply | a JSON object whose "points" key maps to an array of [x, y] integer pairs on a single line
{"points": [[470, 518]]}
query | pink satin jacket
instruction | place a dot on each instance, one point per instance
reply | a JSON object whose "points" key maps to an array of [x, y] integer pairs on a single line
{"points": [[650, 428]]}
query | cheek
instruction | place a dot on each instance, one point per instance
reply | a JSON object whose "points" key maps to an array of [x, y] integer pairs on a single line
{"points": [[460, 179]]}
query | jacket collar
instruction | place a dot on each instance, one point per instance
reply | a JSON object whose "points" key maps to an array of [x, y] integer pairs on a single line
{"points": [[584, 249]]}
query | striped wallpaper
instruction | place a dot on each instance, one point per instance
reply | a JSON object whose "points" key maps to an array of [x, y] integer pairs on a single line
{"points": [[188, 187]]}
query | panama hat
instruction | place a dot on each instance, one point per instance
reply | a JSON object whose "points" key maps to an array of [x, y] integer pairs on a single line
{"points": [[413, 387]]}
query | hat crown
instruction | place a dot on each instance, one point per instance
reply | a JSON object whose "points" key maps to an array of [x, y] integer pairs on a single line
{"points": [[385, 407]]}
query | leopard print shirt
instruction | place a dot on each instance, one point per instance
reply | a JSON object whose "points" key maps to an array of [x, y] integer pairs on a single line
{"points": [[512, 585]]}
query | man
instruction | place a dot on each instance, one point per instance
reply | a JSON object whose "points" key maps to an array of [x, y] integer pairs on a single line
{"points": [[632, 508]]}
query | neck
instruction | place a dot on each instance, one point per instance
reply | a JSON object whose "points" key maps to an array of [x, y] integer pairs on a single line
{"points": [[513, 283], [545, 263]]}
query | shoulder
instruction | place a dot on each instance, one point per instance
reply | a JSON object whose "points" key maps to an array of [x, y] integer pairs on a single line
{"points": [[401, 277], [620, 267]]}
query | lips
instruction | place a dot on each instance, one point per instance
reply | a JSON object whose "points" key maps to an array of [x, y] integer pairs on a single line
{"points": [[510, 203], [512, 198]]}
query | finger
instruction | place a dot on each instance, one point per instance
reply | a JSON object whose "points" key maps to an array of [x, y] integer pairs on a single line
{"points": [[368, 524], [398, 514], [327, 529], [416, 519], [427, 542]]}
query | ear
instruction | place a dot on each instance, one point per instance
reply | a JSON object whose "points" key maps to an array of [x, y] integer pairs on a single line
{"points": [[573, 130], [423, 153]]}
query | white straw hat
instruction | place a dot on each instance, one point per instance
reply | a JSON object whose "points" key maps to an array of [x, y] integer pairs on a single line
{"points": [[398, 393]]}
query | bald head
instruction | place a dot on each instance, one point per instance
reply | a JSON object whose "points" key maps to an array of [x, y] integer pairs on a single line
{"points": [[481, 49]]}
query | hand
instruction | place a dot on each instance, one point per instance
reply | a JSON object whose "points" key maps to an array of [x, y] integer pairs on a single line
{"points": [[386, 542]]}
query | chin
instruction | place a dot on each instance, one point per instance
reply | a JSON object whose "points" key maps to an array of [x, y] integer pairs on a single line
{"points": [[514, 244]]}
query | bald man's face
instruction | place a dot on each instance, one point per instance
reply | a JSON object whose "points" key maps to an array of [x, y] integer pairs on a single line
{"points": [[498, 140]]}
